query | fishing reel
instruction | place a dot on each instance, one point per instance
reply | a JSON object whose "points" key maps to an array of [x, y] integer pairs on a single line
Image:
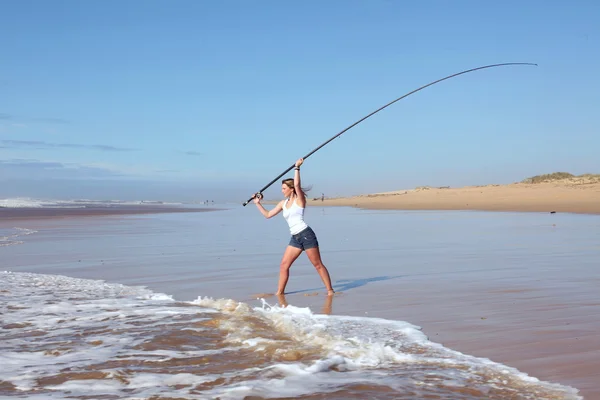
{"points": [[254, 196]]}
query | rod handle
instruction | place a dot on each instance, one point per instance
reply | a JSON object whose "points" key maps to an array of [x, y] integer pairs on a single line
{"points": [[252, 198]]}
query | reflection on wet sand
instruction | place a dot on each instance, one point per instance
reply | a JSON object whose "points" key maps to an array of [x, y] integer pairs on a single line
{"points": [[327, 305]]}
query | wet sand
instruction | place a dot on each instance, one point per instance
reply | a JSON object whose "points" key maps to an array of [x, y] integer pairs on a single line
{"points": [[550, 332], [32, 213], [519, 289], [547, 328], [569, 195]]}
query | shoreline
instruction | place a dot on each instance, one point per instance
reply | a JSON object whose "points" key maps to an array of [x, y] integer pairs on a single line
{"points": [[565, 196], [35, 213]]}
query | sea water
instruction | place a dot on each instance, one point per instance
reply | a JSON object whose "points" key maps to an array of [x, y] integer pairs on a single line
{"points": [[162, 306]]}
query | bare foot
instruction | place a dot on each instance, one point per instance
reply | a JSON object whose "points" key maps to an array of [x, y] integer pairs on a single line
{"points": [[282, 301], [330, 293]]}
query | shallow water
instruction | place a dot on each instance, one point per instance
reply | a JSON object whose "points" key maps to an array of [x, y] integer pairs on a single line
{"points": [[198, 331], [13, 236], [235, 253]]}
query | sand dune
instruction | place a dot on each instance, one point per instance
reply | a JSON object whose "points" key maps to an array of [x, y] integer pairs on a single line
{"points": [[573, 194]]}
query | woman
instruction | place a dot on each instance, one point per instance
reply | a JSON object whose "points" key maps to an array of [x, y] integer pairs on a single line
{"points": [[303, 237]]}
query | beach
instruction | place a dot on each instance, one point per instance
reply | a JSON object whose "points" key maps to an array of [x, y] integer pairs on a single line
{"points": [[573, 195], [453, 303], [448, 156], [38, 213]]}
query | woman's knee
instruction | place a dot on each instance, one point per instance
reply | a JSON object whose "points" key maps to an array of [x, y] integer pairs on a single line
{"points": [[318, 265], [285, 265]]}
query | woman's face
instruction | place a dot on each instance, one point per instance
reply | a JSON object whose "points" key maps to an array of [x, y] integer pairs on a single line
{"points": [[286, 190]]}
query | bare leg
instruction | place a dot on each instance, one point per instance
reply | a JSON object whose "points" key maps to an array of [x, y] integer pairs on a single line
{"points": [[315, 258], [289, 256]]}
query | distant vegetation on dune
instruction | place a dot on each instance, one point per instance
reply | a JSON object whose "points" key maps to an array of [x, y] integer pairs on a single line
{"points": [[557, 176]]}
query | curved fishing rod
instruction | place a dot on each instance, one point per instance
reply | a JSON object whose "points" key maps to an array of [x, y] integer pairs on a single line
{"points": [[375, 112]]}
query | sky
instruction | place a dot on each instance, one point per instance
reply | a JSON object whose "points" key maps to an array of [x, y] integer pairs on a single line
{"points": [[195, 100]]}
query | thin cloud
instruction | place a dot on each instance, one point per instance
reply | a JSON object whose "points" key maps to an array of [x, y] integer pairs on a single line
{"points": [[50, 120], [36, 169], [41, 145], [41, 120], [27, 163], [192, 153]]}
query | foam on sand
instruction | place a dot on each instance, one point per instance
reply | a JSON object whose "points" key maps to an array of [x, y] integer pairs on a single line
{"points": [[10, 237], [27, 202], [370, 351], [74, 337]]}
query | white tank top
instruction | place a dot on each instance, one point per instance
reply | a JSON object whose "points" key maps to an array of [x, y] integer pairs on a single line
{"points": [[294, 217]]}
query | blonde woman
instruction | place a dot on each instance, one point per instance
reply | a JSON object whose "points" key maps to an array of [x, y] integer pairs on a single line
{"points": [[303, 237]]}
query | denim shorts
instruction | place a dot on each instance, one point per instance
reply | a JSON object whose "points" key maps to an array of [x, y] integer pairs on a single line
{"points": [[305, 239]]}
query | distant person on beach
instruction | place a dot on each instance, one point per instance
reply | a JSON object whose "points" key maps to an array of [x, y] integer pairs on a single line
{"points": [[322, 196], [303, 237]]}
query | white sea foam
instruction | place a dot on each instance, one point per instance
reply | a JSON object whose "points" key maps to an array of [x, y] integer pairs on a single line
{"points": [[27, 202], [53, 324], [77, 323], [10, 237], [18, 202], [359, 349]]}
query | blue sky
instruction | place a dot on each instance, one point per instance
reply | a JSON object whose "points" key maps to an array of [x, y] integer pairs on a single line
{"points": [[194, 100]]}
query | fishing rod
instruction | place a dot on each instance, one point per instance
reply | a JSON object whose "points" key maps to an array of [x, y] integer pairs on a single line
{"points": [[259, 193]]}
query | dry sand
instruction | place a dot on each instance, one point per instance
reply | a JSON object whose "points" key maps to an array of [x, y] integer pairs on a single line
{"points": [[575, 195]]}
